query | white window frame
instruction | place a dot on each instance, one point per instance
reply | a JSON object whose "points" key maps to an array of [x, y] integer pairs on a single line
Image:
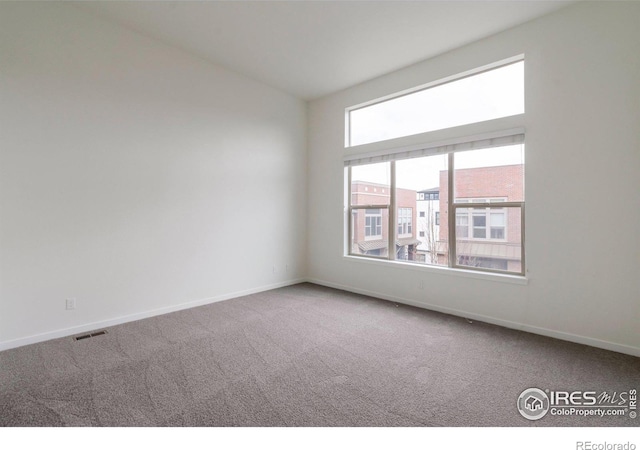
{"points": [[426, 86], [453, 205], [494, 133]]}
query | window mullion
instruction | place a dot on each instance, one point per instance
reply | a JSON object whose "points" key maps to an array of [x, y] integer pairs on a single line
{"points": [[522, 252], [392, 215], [349, 242], [452, 212]]}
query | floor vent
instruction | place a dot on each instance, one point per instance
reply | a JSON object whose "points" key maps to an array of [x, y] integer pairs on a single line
{"points": [[90, 335]]}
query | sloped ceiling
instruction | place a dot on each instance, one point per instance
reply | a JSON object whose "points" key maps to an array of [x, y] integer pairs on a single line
{"points": [[313, 48]]}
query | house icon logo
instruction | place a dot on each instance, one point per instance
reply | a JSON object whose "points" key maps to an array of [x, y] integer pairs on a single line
{"points": [[533, 404]]}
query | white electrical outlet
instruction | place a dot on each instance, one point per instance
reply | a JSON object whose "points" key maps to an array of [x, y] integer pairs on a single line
{"points": [[71, 303]]}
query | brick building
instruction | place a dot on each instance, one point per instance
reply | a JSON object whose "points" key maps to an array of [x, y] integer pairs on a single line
{"points": [[486, 237], [369, 230]]}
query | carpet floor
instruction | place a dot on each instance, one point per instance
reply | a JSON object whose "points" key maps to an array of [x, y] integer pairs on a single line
{"points": [[303, 355]]}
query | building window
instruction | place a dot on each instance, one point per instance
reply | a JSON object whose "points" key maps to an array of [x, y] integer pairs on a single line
{"points": [[486, 223], [372, 223], [404, 221], [462, 224], [479, 225], [497, 224], [421, 213], [437, 217]]}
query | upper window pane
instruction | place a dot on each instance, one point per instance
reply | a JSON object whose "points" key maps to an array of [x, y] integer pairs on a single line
{"points": [[371, 184], [485, 96], [370, 232], [490, 175]]}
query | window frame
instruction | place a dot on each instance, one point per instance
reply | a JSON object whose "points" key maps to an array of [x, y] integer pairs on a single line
{"points": [[497, 132], [452, 207], [348, 141], [390, 217]]}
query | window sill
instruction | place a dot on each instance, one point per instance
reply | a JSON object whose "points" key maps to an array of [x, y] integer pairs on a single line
{"points": [[448, 271]]}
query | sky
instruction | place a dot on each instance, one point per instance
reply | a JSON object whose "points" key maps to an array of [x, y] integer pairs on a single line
{"points": [[489, 95]]}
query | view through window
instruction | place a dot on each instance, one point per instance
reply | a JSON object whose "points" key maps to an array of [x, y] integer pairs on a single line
{"points": [[488, 201]]}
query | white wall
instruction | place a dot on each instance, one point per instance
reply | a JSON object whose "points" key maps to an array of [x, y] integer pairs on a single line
{"points": [[582, 182], [135, 177]]}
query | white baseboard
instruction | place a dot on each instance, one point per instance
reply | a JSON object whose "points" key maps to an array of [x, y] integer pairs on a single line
{"points": [[606, 345], [6, 345], [621, 348]]}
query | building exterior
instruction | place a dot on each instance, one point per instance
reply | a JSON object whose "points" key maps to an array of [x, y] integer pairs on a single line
{"points": [[428, 208], [369, 227], [486, 237]]}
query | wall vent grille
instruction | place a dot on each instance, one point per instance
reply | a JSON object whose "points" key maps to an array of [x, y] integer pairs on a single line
{"points": [[90, 335]]}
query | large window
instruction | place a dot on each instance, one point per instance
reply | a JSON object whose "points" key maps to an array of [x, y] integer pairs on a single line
{"points": [[482, 96], [457, 203], [486, 231], [479, 227]]}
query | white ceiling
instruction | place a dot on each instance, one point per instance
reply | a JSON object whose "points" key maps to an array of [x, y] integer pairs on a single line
{"points": [[313, 48]]}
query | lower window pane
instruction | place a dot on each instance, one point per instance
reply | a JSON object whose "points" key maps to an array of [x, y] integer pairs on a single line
{"points": [[499, 249], [420, 234], [479, 218]]}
